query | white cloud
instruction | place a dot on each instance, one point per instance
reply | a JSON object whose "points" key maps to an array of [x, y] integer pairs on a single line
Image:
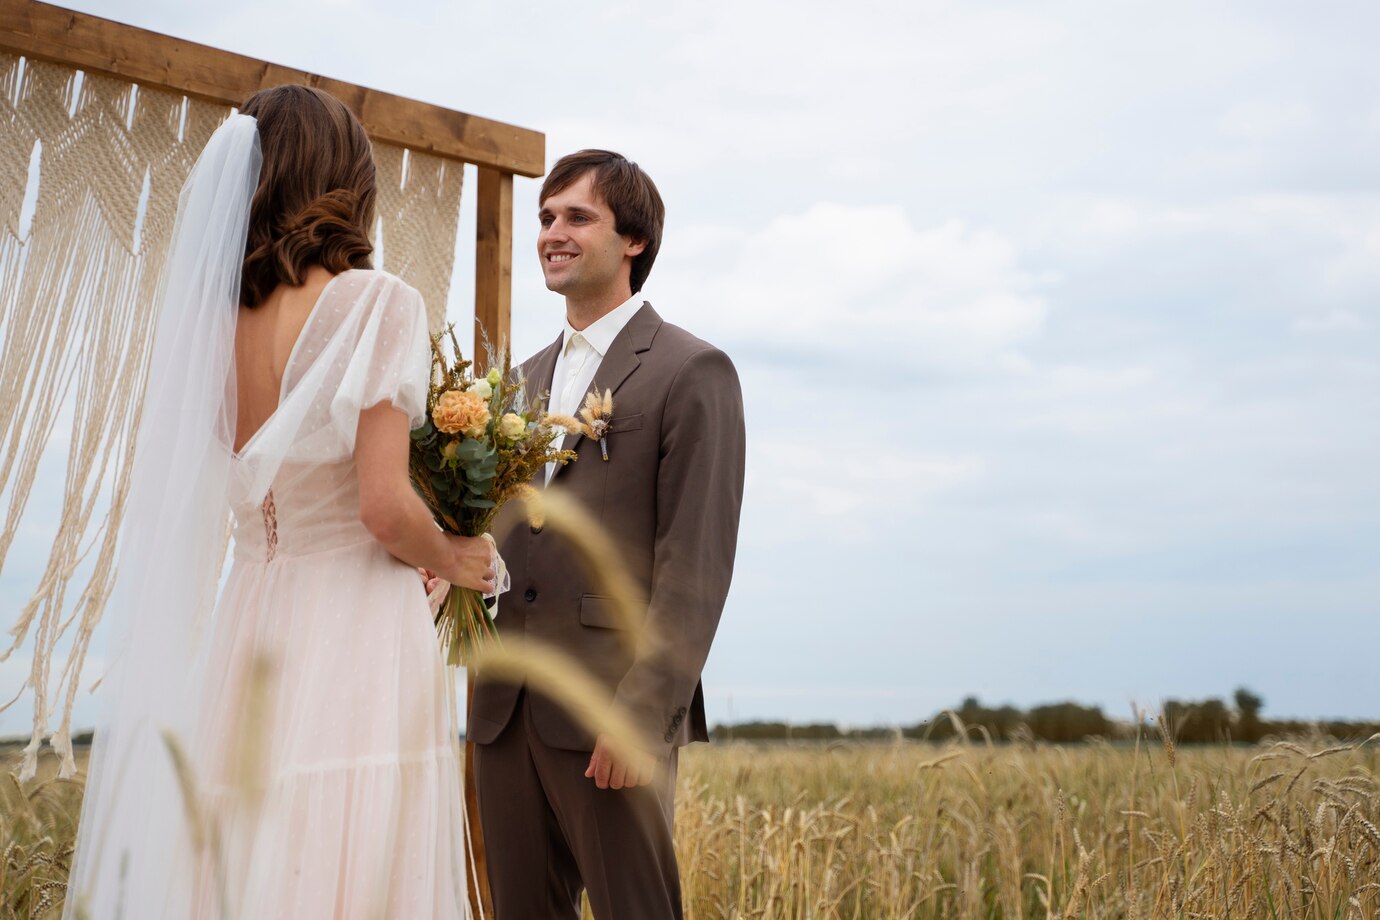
{"points": [[1265, 120], [851, 486], [1357, 267], [884, 480], [1335, 320], [1082, 221], [859, 282]]}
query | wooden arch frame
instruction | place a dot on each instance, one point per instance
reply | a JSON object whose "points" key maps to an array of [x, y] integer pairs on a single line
{"points": [[500, 151], [41, 31]]}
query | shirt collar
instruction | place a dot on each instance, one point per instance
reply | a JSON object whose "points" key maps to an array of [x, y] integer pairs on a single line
{"points": [[601, 333]]}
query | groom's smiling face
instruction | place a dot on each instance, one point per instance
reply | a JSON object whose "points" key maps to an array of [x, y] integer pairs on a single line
{"points": [[582, 254]]}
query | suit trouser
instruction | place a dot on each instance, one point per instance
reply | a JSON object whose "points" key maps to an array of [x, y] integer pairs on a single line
{"points": [[550, 832]]}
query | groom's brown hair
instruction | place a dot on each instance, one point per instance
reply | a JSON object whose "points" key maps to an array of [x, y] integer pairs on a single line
{"points": [[628, 191], [315, 200]]}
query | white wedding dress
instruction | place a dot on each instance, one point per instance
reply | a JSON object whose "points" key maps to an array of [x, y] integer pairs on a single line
{"points": [[326, 751], [288, 749]]}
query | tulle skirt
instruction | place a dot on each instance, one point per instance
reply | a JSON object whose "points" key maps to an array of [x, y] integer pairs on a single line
{"points": [[327, 761]]}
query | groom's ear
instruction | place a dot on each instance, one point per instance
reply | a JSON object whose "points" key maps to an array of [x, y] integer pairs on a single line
{"points": [[634, 248]]}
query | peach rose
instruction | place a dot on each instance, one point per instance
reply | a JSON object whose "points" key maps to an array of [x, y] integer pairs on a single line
{"points": [[457, 411]]}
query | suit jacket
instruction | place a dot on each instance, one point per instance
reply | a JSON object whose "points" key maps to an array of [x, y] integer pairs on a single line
{"points": [[669, 496]]}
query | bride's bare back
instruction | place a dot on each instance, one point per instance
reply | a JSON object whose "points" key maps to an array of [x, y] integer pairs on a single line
{"points": [[264, 339]]}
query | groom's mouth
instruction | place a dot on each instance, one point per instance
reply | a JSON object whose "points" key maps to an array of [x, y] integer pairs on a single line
{"points": [[559, 258]]}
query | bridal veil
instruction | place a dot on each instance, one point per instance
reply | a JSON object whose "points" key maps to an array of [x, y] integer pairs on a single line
{"points": [[139, 824]]}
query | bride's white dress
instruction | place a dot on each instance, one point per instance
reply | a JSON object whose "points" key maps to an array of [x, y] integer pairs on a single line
{"points": [[326, 753]]}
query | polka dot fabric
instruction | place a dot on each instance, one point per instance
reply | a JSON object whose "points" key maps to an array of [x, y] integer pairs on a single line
{"points": [[325, 679]]}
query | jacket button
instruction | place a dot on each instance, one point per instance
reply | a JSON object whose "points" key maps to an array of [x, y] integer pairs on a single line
{"points": [[536, 530], [530, 594], [668, 737]]}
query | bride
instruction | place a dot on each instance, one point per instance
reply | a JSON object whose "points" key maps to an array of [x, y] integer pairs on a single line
{"points": [[293, 753]]}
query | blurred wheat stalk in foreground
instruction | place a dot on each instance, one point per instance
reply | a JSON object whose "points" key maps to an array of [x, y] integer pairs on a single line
{"points": [[925, 831]]}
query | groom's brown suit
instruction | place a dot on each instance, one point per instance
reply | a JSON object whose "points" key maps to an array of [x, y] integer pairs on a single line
{"points": [[669, 496]]}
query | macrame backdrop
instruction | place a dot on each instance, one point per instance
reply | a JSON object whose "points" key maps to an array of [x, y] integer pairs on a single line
{"points": [[77, 298]]}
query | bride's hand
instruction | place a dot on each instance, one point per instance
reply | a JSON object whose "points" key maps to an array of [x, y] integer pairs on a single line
{"points": [[475, 564]]}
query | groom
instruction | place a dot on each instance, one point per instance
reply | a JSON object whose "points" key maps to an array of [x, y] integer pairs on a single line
{"points": [[560, 810]]}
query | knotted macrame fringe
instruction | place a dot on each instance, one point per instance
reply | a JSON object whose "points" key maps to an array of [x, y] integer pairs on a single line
{"points": [[418, 208], [78, 295]]}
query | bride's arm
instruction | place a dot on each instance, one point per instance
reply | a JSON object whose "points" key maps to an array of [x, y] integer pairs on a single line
{"points": [[395, 514]]}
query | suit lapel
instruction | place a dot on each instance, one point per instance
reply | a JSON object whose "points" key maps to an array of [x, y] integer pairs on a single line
{"points": [[620, 362], [536, 382], [541, 368]]}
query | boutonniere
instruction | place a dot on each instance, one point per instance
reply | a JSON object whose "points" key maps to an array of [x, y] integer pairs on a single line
{"points": [[597, 414]]}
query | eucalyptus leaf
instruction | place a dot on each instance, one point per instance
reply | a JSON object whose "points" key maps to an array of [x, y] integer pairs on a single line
{"points": [[472, 450]]}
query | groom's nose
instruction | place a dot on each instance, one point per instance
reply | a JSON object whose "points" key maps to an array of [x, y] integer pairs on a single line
{"points": [[555, 231]]}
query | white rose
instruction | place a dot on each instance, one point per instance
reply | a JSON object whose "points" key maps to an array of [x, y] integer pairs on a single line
{"points": [[512, 426], [481, 388]]}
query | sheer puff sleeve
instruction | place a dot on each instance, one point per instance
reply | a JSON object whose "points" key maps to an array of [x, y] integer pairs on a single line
{"points": [[391, 360], [364, 344]]}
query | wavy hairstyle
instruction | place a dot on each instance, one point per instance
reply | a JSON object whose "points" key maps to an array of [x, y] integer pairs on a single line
{"points": [[315, 200]]}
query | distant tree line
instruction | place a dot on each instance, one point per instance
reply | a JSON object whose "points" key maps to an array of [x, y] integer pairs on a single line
{"points": [[1210, 721]]}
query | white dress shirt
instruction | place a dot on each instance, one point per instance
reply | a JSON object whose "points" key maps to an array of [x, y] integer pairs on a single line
{"points": [[581, 354]]}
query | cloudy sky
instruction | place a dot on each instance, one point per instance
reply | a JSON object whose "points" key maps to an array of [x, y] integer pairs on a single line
{"points": [[1057, 323]]}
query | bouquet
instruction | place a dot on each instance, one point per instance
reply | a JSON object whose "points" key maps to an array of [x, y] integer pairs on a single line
{"points": [[480, 446]]}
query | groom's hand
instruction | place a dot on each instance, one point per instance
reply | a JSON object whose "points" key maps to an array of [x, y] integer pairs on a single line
{"points": [[430, 580], [609, 771]]}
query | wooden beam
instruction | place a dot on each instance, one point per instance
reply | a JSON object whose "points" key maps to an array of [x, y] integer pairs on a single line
{"points": [[493, 260], [493, 298], [481, 897], [51, 33]]}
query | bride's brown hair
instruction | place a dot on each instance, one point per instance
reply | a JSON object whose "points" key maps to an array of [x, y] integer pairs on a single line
{"points": [[315, 200]]}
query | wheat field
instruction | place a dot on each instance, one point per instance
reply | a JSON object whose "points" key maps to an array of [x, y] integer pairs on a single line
{"points": [[918, 830], [1135, 831]]}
